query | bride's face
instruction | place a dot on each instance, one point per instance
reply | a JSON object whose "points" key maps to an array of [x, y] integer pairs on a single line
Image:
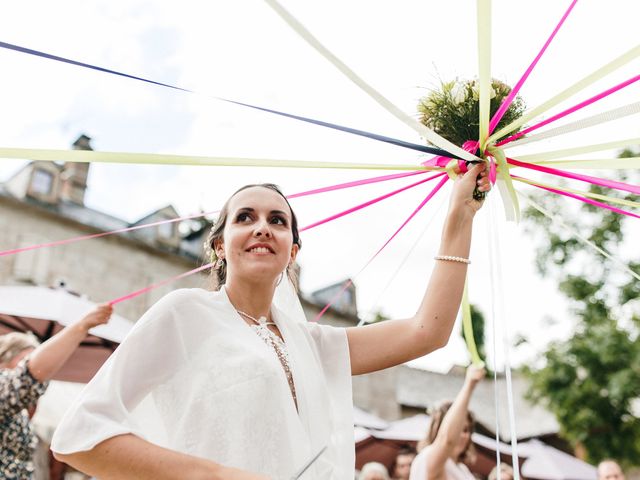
{"points": [[257, 242]]}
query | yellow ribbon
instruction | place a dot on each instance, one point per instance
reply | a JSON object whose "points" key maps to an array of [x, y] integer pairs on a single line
{"points": [[579, 237], [451, 169], [505, 185], [604, 198], [569, 92], [425, 132], [570, 152], [467, 327], [87, 156], [599, 164], [484, 69]]}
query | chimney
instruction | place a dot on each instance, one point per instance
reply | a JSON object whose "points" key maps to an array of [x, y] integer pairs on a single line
{"points": [[74, 174]]}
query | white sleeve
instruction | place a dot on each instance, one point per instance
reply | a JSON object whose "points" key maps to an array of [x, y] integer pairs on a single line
{"points": [[332, 347], [118, 399]]}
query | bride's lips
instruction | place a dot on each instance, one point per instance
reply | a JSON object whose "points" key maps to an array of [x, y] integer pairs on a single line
{"points": [[260, 248]]}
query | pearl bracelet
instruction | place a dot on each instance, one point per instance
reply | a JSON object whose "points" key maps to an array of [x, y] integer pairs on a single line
{"points": [[449, 258]]}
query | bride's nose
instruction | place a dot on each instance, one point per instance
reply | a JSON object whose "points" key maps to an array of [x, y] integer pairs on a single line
{"points": [[262, 229]]}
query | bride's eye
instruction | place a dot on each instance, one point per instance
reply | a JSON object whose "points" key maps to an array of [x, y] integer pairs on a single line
{"points": [[279, 220], [242, 217]]}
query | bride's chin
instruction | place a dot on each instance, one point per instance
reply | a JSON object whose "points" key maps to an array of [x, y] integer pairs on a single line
{"points": [[260, 275]]}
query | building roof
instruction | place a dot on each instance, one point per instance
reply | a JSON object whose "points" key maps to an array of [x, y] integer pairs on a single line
{"points": [[103, 222], [424, 389]]}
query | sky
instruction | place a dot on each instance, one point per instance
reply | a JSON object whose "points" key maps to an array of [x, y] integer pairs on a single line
{"points": [[243, 51]]}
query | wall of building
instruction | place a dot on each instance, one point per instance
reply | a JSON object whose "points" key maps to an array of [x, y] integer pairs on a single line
{"points": [[103, 268]]}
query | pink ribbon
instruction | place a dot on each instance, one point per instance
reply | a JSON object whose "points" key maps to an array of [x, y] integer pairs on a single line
{"points": [[470, 146], [413, 214], [313, 225], [514, 91], [575, 108], [576, 176], [370, 202], [198, 215], [356, 183], [159, 284], [102, 234], [586, 200], [493, 170]]}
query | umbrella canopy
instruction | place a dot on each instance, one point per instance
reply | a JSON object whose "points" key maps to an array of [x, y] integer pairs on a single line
{"points": [[46, 311], [368, 420], [547, 463], [383, 445]]}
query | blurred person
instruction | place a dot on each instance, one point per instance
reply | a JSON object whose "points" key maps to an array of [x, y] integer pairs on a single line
{"points": [[506, 473], [25, 369], [448, 442], [373, 471], [402, 465], [610, 470]]}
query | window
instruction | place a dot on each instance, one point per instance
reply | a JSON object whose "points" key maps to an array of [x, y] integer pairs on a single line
{"points": [[165, 230], [41, 182]]}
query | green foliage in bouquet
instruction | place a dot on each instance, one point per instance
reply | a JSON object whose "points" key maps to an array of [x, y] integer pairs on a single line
{"points": [[453, 111]]}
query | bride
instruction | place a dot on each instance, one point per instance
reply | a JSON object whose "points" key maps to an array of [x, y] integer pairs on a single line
{"points": [[234, 383]]}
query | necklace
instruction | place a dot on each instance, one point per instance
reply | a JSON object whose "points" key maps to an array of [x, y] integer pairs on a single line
{"points": [[262, 321], [276, 343]]}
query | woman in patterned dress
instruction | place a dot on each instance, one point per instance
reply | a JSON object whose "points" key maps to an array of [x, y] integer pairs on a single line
{"points": [[25, 368]]}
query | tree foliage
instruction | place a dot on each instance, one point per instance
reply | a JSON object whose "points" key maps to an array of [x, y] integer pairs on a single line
{"points": [[478, 329], [591, 380]]}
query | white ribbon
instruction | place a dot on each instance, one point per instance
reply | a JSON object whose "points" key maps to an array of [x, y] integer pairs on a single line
{"points": [[425, 132], [603, 117], [579, 237]]}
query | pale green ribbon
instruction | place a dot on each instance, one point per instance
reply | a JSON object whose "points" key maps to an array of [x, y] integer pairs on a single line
{"points": [[86, 156], [579, 237], [484, 68], [605, 198], [599, 164], [570, 152], [569, 92], [425, 132], [467, 327], [505, 185]]}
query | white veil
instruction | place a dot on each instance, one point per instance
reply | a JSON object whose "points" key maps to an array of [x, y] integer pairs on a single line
{"points": [[286, 299]]}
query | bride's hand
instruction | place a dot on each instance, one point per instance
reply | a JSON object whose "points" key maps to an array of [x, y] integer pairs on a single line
{"points": [[462, 200]]}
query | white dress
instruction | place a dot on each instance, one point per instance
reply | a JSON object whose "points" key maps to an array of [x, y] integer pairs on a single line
{"points": [[194, 377], [452, 470]]}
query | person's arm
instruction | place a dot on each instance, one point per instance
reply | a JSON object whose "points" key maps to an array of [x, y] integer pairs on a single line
{"points": [[452, 425], [128, 456], [389, 343], [48, 358]]}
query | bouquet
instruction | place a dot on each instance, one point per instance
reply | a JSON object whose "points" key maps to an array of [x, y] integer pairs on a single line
{"points": [[453, 110]]}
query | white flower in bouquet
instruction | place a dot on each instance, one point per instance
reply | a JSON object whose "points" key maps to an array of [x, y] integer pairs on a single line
{"points": [[452, 110], [475, 90], [458, 93]]}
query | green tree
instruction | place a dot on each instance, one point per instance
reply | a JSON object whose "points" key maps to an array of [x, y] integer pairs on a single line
{"points": [[478, 326], [591, 380], [378, 316]]}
